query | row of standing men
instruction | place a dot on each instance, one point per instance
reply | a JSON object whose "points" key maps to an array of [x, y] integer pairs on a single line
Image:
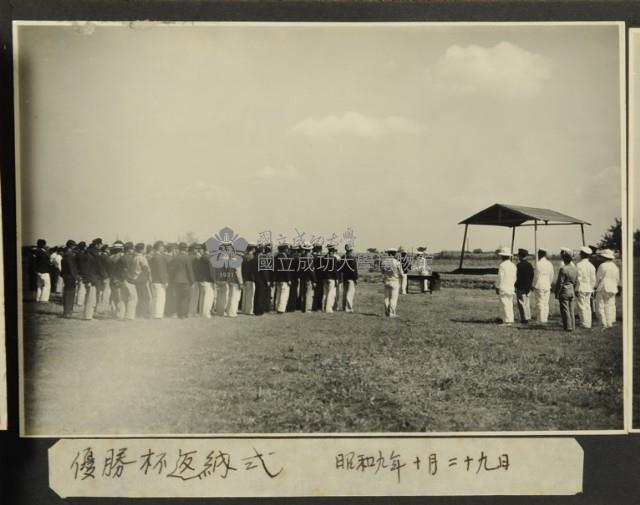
{"points": [[181, 280], [591, 283]]}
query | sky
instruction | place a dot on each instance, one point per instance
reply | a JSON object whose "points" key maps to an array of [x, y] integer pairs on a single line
{"points": [[634, 111], [397, 132]]}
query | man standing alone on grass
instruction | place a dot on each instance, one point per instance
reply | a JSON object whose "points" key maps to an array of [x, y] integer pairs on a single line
{"points": [[524, 282], [585, 285], [565, 289], [391, 277], [607, 279], [158, 265], [505, 286], [70, 277], [542, 279]]}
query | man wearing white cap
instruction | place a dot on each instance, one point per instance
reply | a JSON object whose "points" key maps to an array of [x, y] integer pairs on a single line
{"points": [[607, 279], [584, 286], [542, 279], [505, 285], [391, 277]]}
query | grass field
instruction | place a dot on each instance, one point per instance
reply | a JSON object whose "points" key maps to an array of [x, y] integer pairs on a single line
{"points": [[443, 365]]}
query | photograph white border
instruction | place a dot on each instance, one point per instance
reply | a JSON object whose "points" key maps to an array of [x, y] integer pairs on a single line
{"points": [[626, 333]]}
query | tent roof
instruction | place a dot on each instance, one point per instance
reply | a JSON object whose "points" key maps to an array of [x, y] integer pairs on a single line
{"points": [[515, 215]]}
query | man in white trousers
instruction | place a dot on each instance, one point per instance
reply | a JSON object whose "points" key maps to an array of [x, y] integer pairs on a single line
{"points": [[607, 280], [43, 269], [282, 276], [391, 277], [349, 270], [585, 284], [249, 271], [505, 286], [159, 266], [542, 279], [331, 278]]}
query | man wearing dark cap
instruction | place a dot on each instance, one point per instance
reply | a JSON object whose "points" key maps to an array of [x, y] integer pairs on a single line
{"points": [[158, 265], [194, 295], [349, 271], [262, 272], [294, 289], [92, 275], [141, 276], [204, 279], [524, 284], [118, 269], [318, 266], [104, 289], [129, 291], [282, 276], [306, 269], [181, 277], [80, 252], [596, 260], [42, 264], [331, 276], [249, 272], [70, 277], [170, 306]]}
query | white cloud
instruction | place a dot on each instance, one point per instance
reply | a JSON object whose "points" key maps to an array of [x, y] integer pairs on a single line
{"points": [[505, 70], [269, 172], [358, 125]]}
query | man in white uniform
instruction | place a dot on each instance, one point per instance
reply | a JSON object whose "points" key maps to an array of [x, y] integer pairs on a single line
{"points": [[607, 280], [391, 277], [585, 285], [505, 286], [542, 279]]}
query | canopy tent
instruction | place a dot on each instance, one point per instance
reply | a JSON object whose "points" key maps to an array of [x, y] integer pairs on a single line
{"points": [[512, 216]]}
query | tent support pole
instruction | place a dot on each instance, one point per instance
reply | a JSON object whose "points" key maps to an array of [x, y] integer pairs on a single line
{"points": [[535, 240], [464, 241], [584, 243], [513, 239]]}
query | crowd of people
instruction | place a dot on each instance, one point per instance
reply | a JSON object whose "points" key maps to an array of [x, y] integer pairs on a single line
{"points": [[177, 279], [591, 284], [129, 281]]}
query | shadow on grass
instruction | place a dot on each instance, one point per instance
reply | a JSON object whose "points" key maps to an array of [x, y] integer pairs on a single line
{"points": [[475, 320]]}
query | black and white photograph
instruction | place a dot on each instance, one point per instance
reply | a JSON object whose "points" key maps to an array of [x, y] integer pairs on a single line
{"points": [[320, 228]]}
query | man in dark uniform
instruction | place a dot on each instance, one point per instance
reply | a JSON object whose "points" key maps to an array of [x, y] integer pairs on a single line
{"points": [[80, 251], [307, 276], [42, 267], [294, 301], [262, 273], [170, 306], [104, 290], [282, 277], [596, 260], [318, 266], [349, 270], [70, 277], [249, 279], [181, 277], [92, 276], [118, 272], [524, 285]]}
